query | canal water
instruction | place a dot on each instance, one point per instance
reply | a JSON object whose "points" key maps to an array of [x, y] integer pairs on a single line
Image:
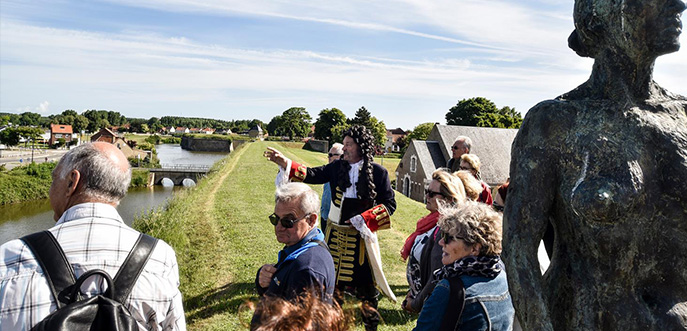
{"points": [[20, 219]]}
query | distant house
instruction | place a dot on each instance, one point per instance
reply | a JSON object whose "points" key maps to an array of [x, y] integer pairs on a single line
{"points": [[108, 136], [60, 131], [223, 131], [492, 145], [207, 131], [392, 138], [256, 132], [169, 129], [181, 129]]}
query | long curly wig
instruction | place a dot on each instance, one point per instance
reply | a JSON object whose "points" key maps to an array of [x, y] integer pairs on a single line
{"points": [[366, 147]]}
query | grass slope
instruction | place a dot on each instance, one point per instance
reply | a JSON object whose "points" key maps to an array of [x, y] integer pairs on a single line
{"points": [[222, 236]]}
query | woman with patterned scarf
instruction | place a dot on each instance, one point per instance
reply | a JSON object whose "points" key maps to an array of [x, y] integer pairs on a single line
{"points": [[421, 248], [472, 292]]}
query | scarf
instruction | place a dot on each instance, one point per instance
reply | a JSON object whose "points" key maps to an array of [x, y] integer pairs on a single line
{"points": [[477, 266], [423, 225]]}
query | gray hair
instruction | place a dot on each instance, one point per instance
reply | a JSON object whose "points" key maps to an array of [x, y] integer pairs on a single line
{"points": [[467, 142], [309, 201], [475, 222], [337, 148], [101, 179]]}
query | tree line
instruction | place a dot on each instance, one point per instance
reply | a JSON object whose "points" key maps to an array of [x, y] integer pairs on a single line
{"points": [[294, 122]]}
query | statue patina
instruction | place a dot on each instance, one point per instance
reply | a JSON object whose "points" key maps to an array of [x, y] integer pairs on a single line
{"points": [[606, 165]]}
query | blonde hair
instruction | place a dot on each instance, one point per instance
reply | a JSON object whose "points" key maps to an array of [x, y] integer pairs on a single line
{"points": [[473, 161], [475, 223], [451, 186], [473, 188]]}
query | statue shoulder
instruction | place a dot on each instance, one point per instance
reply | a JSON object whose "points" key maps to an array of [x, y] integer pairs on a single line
{"points": [[547, 120]]}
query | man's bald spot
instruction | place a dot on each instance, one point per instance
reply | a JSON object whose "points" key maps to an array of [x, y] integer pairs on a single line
{"points": [[113, 154]]}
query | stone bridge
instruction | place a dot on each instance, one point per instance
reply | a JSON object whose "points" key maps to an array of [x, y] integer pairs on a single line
{"points": [[177, 173]]}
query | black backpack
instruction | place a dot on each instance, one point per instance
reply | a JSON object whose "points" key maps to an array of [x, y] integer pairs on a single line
{"points": [[101, 312]]}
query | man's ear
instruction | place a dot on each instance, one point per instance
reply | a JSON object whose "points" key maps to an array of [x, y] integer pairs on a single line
{"points": [[74, 180], [312, 219]]}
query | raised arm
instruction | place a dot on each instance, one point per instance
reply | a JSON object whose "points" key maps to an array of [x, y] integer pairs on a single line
{"points": [[528, 209]]}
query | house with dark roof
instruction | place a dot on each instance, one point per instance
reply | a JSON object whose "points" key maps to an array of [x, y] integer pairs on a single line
{"points": [[492, 145], [109, 136], [392, 138]]}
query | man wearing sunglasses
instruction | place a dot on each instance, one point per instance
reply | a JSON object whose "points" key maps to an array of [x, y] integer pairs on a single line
{"points": [[461, 146], [304, 264]]}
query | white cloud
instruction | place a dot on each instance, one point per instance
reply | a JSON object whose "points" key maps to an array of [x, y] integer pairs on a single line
{"points": [[43, 108]]}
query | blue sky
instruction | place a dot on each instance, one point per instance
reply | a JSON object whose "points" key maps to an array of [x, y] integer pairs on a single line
{"points": [[407, 61]]}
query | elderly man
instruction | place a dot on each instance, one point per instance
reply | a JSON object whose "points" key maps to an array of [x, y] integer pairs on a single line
{"points": [[461, 146], [88, 184], [305, 263], [334, 154]]}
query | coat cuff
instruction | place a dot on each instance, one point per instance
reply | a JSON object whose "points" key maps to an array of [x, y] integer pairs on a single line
{"points": [[377, 218], [297, 172]]}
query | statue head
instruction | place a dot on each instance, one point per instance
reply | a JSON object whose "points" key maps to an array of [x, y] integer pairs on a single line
{"points": [[635, 28]]}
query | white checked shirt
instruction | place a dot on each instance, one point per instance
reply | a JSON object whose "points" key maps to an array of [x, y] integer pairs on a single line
{"points": [[92, 236]]}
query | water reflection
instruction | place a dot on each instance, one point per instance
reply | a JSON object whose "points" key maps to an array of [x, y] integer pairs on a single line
{"points": [[20, 219], [17, 220]]}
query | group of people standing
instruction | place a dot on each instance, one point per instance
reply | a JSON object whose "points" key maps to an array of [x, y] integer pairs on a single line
{"points": [[455, 275]]}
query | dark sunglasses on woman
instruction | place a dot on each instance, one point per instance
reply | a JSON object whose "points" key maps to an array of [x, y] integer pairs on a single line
{"points": [[432, 194], [449, 238]]}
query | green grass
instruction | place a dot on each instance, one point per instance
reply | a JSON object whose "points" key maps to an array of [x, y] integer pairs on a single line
{"points": [[25, 183], [222, 236], [138, 138]]}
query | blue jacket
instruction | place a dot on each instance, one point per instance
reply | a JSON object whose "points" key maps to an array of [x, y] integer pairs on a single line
{"points": [[488, 305], [301, 267]]}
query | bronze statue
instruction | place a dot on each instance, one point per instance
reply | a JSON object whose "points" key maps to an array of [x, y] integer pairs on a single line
{"points": [[606, 165]]}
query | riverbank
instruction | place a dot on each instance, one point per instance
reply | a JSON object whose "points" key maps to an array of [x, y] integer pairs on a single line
{"points": [[32, 182], [221, 234]]}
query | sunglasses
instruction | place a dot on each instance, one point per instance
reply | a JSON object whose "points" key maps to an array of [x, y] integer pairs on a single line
{"points": [[432, 194], [448, 238], [454, 147], [332, 154], [286, 222]]}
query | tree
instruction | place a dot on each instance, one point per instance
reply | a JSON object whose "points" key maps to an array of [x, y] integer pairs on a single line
{"points": [[69, 112], [362, 117], [326, 120], [80, 123], [421, 131], [482, 112], [29, 118], [274, 126], [10, 137], [377, 127], [294, 122]]}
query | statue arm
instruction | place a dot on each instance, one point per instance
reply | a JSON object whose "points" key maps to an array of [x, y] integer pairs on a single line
{"points": [[528, 207]]}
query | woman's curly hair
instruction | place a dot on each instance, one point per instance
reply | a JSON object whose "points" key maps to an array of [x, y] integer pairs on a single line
{"points": [[475, 223], [366, 147]]}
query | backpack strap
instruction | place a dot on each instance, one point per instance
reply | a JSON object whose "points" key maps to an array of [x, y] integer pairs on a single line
{"points": [[51, 258], [455, 306], [133, 266]]}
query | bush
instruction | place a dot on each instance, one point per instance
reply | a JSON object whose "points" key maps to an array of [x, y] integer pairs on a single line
{"points": [[139, 178], [171, 140], [154, 139], [147, 146]]}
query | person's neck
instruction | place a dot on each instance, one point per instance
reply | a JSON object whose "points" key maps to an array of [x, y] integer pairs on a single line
{"points": [[355, 161], [619, 77]]}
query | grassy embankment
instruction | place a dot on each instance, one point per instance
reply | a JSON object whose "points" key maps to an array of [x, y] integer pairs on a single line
{"points": [[222, 236], [26, 183]]}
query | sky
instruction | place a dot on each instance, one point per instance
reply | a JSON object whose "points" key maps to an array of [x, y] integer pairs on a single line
{"points": [[406, 61]]}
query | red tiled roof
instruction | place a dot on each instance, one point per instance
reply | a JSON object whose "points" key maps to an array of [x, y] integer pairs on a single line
{"points": [[61, 128]]}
